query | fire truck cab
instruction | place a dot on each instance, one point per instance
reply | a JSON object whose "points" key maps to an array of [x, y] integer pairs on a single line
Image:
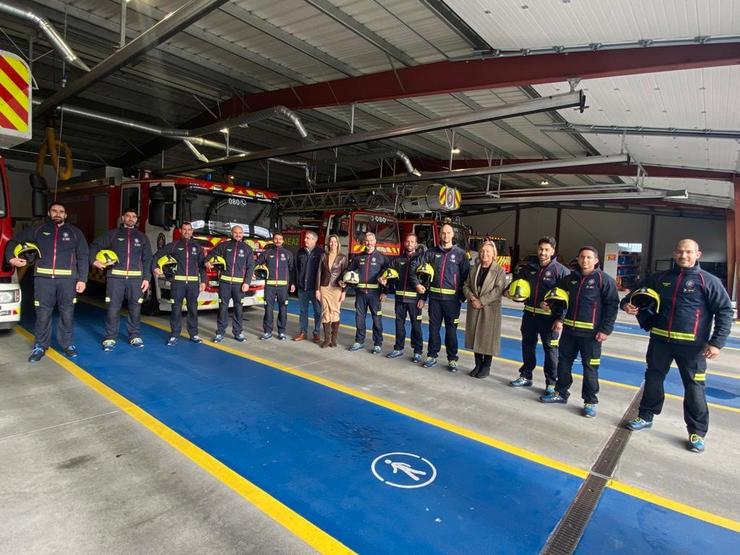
{"points": [[10, 291], [427, 232]]}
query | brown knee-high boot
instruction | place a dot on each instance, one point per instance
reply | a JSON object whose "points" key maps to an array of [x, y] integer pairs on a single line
{"points": [[327, 336], [334, 333]]}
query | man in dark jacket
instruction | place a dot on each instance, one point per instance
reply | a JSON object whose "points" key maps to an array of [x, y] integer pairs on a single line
{"points": [[593, 304], [280, 279], [681, 330], [542, 274], [188, 281], [233, 281], [60, 274], [126, 280], [307, 268]]}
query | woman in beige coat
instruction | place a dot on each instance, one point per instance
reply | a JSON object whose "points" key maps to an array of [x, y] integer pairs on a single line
{"points": [[483, 290], [328, 291]]}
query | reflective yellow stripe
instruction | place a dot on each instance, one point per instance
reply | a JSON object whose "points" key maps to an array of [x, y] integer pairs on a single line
{"points": [[405, 293], [535, 310], [554, 342], [456, 321], [579, 324], [50, 272], [107, 299], [276, 282], [594, 361], [36, 303], [674, 334], [130, 273], [367, 285], [443, 291], [700, 377], [187, 278], [231, 279], [419, 317]]}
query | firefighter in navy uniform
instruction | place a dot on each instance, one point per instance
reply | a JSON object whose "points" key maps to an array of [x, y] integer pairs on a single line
{"points": [[188, 280], [451, 269], [541, 276], [592, 306], [689, 300], [281, 279], [407, 298], [60, 274], [369, 293], [127, 279], [237, 264]]}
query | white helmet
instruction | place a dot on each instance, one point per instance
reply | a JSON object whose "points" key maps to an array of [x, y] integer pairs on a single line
{"points": [[351, 277]]}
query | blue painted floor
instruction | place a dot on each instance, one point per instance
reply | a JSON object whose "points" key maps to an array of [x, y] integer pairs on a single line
{"points": [[313, 448]]}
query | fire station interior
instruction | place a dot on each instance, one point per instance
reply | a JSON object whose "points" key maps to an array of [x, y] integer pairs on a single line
{"points": [[602, 123]]}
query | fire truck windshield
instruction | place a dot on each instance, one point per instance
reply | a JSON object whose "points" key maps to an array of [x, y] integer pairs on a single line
{"points": [[215, 214], [385, 228]]}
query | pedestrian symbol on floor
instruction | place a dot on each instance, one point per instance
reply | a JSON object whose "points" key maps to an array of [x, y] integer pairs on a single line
{"points": [[403, 470]]}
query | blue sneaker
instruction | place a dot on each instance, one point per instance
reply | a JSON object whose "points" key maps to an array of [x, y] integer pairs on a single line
{"points": [[265, 336], [696, 443], [218, 338], [375, 350], [241, 338], [549, 389], [36, 353], [452, 366], [637, 424], [521, 381], [71, 351], [553, 397], [355, 347], [137, 342], [589, 410], [172, 341], [196, 339], [109, 345], [394, 354], [416, 358], [429, 362]]}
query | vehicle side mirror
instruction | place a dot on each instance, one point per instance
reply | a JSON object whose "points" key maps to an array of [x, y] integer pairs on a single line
{"points": [[39, 190], [158, 214]]}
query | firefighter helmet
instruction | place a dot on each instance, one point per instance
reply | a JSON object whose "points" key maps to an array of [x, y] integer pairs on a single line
{"points": [[557, 299], [390, 274], [351, 277], [519, 290], [262, 272], [27, 251], [218, 262], [167, 264], [645, 298], [425, 273], [107, 257]]}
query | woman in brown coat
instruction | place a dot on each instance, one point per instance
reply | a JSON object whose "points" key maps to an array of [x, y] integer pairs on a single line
{"points": [[329, 292], [483, 290]]}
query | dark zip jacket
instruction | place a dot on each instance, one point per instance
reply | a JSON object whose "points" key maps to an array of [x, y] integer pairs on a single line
{"points": [[406, 266], [541, 279], [593, 303], [307, 267], [369, 267], [133, 249], [690, 299], [190, 259], [64, 250], [451, 269], [239, 259], [280, 265]]}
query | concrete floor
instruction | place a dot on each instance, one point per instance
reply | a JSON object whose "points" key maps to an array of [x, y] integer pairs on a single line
{"points": [[78, 475]]}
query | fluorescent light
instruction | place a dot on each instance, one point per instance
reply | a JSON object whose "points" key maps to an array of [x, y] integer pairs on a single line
{"points": [[225, 130], [544, 182]]}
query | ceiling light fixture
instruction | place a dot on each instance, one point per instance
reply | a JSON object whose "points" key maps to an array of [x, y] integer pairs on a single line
{"points": [[455, 150], [544, 182]]}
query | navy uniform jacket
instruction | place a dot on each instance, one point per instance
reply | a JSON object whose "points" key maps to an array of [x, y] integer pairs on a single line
{"points": [[190, 259], [280, 265], [593, 303], [541, 279], [690, 299], [369, 267], [451, 269], [133, 249], [239, 259], [406, 266], [64, 250]]}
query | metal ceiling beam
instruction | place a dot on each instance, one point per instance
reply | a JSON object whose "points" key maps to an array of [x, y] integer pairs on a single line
{"points": [[556, 198], [647, 131], [573, 99], [457, 24], [457, 76], [151, 38]]}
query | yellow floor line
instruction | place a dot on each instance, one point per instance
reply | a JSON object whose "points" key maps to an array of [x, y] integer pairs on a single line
{"points": [[302, 528]]}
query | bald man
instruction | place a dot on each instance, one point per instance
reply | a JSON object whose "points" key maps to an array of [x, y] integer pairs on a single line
{"points": [[681, 329]]}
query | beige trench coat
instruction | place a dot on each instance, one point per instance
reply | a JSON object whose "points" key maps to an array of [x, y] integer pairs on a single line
{"points": [[483, 326]]}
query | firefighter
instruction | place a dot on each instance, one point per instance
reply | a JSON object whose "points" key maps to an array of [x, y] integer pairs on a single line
{"points": [[688, 300], [540, 275], [369, 294], [451, 269], [127, 279], [281, 279], [60, 275], [188, 279], [592, 306], [407, 298], [237, 265]]}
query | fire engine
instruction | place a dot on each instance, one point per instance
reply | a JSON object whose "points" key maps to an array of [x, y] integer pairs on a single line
{"points": [[427, 232], [10, 291], [350, 226], [163, 204], [502, 248]]}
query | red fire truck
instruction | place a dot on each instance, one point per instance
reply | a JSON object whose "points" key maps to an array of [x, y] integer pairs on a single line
{"points": [[163, 204], [10, 291]]}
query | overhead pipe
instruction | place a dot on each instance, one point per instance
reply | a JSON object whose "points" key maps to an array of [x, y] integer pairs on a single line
{"points": [[653, 195], [253, 117], [544, 104], [401, 155], [647, 131], [47, 28]]}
